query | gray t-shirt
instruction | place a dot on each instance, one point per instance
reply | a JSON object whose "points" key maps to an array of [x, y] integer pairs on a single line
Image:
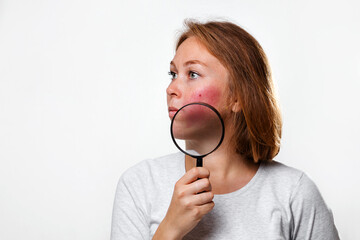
{"points": [[279, 202]]}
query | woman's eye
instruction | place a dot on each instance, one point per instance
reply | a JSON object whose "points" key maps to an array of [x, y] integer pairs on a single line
{"points": [[173, 75], [193, 75]]}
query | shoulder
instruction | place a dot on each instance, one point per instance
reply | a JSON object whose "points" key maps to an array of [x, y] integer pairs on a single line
{"points": [[288, 183], [309, 213], [277, 172], [149, 170], [298, 181], [149, 180]]}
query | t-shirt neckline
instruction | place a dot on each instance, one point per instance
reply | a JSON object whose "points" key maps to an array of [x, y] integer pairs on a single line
{"points": [[238, 191]]}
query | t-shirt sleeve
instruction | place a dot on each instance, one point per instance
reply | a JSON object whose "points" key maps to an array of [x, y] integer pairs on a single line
{"points": [[129, 219], [312, 219]]}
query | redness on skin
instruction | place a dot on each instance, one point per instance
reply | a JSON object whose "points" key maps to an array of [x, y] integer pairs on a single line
{"points": [[198, 116], [197, 121], [210, 95]]}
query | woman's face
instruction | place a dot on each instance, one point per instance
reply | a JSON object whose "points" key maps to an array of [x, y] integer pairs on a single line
{"points": [[197, 76]]}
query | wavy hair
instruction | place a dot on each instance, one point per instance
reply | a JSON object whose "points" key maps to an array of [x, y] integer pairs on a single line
{"points": [[257, 124]]}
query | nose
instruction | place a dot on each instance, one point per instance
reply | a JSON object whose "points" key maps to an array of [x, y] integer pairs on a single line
{"points": [[173, 90]]}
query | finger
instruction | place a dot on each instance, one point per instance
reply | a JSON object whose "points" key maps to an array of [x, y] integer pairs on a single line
{"points": [[194, 174], [203, 198], [198, 186], [205, 208]]}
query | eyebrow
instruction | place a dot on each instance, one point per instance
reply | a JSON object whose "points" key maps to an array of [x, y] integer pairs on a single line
{"points": [[190, 62]]}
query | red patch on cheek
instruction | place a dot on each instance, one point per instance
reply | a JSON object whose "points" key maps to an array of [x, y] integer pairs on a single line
{"points": [[197, 122], [209, 95]]}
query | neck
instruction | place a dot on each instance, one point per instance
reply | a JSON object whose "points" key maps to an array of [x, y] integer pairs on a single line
{"points": [[229, 171], [221, 162]]}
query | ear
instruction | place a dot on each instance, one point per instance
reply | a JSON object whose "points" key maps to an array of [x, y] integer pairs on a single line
{"points": [[236, 107]]}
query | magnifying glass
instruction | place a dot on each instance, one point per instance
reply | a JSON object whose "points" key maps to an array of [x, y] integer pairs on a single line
{"points": [[197, 130]]}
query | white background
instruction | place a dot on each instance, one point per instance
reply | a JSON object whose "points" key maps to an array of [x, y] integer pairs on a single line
{"points": [[82, 98]]}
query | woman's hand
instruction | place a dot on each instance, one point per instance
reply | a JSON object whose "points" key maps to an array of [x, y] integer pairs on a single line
{"points": [[191, 200]]}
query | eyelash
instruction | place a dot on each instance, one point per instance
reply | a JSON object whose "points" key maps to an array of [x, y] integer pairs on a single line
{"points": [[174, 75]]}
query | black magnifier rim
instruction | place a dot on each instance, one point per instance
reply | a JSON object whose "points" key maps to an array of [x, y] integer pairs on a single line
{"points": [[222, 126]]}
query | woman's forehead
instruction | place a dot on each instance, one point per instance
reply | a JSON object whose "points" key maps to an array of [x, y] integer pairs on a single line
{"points": [[192, 51]]}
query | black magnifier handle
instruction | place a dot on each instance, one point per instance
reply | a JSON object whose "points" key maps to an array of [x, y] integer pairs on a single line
{"points": [[199, 162]]}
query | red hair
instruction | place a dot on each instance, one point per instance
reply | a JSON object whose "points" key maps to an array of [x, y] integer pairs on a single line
{"points": [[257, 125]]}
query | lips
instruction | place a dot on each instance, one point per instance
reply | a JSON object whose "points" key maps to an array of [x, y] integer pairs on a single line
{"points": [[172, 111]]}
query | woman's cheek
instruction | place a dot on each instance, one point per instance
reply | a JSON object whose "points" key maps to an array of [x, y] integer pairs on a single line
{"points": [[209, 95], [198, 116]]}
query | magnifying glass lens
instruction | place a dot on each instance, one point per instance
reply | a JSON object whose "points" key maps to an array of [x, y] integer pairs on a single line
{"points": [[197, 129]]}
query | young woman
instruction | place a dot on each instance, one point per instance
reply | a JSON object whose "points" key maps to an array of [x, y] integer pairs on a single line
{"points": [[240, 192]]}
